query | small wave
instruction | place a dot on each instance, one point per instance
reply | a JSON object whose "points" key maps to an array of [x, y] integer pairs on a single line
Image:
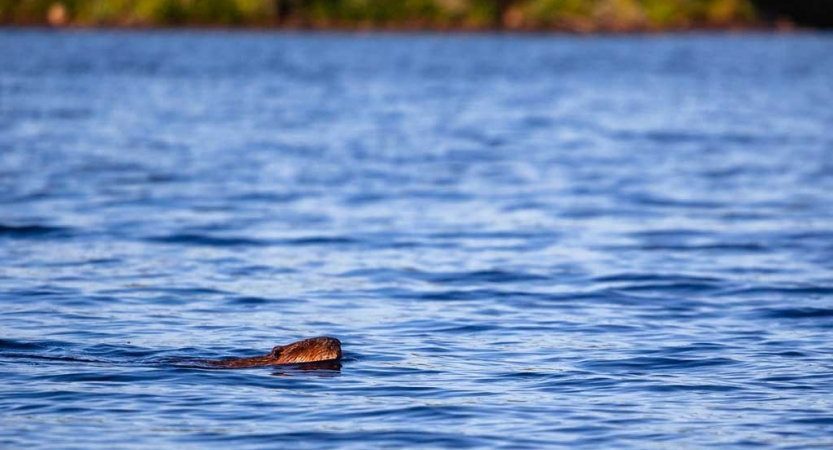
{"points": [[384, 439], [675, 234], [252, 301], [54, 113], [490, 235], [495, 276], [491, 276], [740, 247], [6, 344], [468, 329], [822, 420], [471, 295], [797, 313], [267, 197], [668, 137], [693, 388], [185, 290], [46, 291], [218, 241], [99, 377], [688, 204], [655, 364], [321, 240], [22, 231], [36, 357], [628, 277], [201, 239], [676, 287]]}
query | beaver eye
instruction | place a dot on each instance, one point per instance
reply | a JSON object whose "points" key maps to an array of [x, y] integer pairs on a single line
{"points": [[276, 351]]}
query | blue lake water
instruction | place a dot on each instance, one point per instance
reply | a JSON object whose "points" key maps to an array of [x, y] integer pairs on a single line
{"points": [[522, 241]]}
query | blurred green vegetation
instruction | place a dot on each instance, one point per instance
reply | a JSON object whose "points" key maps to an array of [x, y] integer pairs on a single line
{"points": [[570, 15]]}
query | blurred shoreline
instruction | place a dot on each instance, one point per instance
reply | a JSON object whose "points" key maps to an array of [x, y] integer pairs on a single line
{"points": [[740, 28], [748, 29], [452, 16]]}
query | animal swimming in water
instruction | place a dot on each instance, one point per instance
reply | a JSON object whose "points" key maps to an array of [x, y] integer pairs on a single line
{"points": [[315, 350]]}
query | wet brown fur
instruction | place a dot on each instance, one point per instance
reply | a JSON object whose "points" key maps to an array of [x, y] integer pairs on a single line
{"points": [[317, 349]]}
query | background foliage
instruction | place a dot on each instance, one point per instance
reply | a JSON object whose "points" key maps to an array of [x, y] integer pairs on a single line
{"points": [[576, 15]]}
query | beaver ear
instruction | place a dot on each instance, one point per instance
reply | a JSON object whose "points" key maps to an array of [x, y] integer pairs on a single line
{"points": [[276, 351]]}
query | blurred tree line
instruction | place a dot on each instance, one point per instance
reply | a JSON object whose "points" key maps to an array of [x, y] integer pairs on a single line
{"points": [[571, 15]]}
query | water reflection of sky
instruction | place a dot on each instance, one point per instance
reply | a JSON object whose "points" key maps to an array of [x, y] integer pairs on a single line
{"points": [[521, 241]]}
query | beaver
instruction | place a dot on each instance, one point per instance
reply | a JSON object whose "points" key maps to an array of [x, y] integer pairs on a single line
{"points": [[314, 350]]}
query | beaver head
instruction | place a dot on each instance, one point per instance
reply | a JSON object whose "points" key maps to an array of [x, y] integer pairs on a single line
{"points": [[309, 350]]}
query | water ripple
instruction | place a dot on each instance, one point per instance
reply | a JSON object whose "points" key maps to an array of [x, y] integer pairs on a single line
{"points": [[522, 241]]}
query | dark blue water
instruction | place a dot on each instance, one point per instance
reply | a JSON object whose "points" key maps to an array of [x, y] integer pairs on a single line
{"points": [[522, 242]]}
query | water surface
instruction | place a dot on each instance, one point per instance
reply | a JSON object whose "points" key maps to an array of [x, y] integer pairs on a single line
{"points": [[522, 242]]}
